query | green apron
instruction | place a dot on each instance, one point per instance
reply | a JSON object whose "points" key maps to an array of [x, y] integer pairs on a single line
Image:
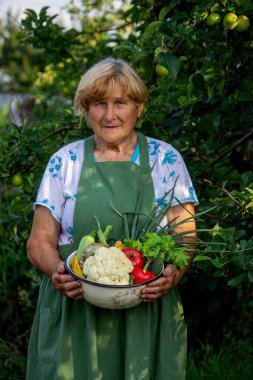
{"points": [[74, 340]]}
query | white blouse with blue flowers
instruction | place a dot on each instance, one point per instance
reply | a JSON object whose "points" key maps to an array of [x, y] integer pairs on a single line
{"points": [[58, 188]]}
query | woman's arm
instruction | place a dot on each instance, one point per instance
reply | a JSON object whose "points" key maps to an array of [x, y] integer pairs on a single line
{"points": [[172, 275], [42, 252], [178, 214], [42, 243]]}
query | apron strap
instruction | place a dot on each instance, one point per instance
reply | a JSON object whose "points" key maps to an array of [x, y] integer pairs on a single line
{"points": [[89, 149]]}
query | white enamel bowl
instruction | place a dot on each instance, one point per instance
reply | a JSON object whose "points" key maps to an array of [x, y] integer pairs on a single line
{"points": [[109, 296]]}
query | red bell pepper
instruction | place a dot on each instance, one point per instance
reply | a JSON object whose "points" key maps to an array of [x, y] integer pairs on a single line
{"points": [[141, 276]]}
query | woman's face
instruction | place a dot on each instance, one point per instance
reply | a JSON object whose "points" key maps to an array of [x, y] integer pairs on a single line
{"points": [[113, 119]]}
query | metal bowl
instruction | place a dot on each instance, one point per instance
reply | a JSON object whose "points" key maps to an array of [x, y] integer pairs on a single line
{"points": [[109, 296]]}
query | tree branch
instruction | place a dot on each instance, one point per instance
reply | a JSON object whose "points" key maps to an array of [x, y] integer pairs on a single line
{"points": [[225, 191], [105, 30], [232, 147], [76, 128]]}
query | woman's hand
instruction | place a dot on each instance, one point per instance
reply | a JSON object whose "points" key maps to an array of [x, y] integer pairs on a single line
{"points": [[66, 284], [42, 252], [159, 288], [171, 275]]}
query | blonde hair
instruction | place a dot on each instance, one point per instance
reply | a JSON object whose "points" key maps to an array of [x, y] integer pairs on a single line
{"points": [[100, 80]]}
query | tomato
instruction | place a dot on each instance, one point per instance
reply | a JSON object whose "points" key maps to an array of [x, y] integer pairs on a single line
{"points": [[134, 256], [140, 276]]}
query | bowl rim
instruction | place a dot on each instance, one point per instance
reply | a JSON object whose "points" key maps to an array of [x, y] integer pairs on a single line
{"points": [[67, 268]]}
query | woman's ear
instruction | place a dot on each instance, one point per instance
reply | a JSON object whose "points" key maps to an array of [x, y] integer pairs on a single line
{"points": [[140, 109]]}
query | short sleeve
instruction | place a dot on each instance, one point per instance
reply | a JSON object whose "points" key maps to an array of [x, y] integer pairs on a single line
{"points": [[51, 190], [171, 178], [58, 187]]}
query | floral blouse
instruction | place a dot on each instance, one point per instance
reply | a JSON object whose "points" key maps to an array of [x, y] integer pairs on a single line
{"points": [[58, 188]]}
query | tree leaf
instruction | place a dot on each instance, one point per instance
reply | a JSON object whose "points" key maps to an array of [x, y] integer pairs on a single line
{"points": [[234, 281], [250, 275], [202, 258], [123, 47], [166, 9], [158, 51], [170, 61], [151, 29]]}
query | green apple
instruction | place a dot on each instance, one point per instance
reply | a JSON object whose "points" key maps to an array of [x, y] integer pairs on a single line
{"points": [[17, 180], [230, 21], [213, 19], [243, 24], [161, 71]]}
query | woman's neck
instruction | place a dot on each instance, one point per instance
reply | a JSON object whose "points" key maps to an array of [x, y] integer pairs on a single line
{"points": [[122, 151]]}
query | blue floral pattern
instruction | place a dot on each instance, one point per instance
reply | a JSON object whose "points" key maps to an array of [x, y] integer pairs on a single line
{"points": [[55, 165], [170, 158], [192, 193], [69, 230], [162, 202], [71, 197], [72, 155], [153, 147], [46, 202]]}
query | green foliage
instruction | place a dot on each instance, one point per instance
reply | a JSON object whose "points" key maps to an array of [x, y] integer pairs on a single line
{"points": [[19, 64], [24, 151], [233, 258], [229, 361]]}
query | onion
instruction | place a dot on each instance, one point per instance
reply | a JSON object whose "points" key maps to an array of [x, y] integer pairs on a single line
{"points": [[91, 249]]}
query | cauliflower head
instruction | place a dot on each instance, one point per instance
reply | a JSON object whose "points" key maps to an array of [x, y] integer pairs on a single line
{"points": [[108, 266]]}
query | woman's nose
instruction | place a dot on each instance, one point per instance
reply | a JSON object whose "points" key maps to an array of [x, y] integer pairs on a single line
{"points": [[110, 111]]}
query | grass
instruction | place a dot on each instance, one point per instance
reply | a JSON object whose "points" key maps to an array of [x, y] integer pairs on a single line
{"points": [[231, 361], [12, 361]]}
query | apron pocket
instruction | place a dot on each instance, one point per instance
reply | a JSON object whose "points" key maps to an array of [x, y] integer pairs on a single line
{"points": [[48, 334]]}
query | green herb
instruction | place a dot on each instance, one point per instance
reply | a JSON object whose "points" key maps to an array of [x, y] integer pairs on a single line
{"points": [[103, 235], [154, 246]]}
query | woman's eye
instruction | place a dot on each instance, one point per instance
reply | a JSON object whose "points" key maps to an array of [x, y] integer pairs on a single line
{"points": [[120, 103], [100, 103]]}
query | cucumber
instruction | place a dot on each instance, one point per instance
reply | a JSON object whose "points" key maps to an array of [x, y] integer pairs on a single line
{"points": [[156, 266], [85, 241]]}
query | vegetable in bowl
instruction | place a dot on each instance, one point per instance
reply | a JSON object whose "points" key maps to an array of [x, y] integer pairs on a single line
{"points": [[112, 277], [106, 295], [128, 262], [108, 266]]}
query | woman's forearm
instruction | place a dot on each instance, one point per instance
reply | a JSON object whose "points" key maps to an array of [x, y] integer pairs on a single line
{"points": [[42, 243], [43, 254]]}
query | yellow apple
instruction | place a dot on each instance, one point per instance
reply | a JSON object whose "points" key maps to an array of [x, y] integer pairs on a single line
{"points": [[230, 21], [243, 24]]}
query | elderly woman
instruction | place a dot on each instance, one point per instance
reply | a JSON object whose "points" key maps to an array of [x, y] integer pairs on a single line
{"points": [[70, 338]]}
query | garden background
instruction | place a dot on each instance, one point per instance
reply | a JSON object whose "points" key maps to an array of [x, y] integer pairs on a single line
{"points": [[200, 101]]}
